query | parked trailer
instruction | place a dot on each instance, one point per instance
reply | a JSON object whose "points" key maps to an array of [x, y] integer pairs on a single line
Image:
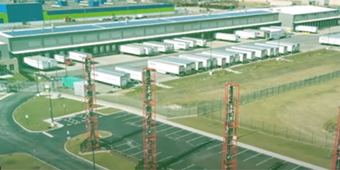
{"points": [[135, 74], [214, 61], [258, 53], [199, 41], [250, 54], [330, 40], [149, 50], [224, 57], [165, 67], [40, 62], [259, 33], [294, 46], [246, 35], [78, 56], [282, 49], [63, 59], [190, 66], [288, 30], [115, 78], [274, 33], [275, 50], [227, 37], [132, 49], [239, 56], [290, 47], [232, 57], [161, 46], [198, 64], [178, 45], [206, 62], [268, 50], [308, 29], [192, 43]]}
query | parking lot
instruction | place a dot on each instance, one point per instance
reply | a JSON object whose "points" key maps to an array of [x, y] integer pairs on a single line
{"points": [[172, 141]]}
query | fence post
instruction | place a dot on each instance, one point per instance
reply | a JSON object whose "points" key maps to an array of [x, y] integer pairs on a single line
{"points": [[299, 137], [312, 137], [274, 131], [262, 126], [286, 132], [251, 123]]}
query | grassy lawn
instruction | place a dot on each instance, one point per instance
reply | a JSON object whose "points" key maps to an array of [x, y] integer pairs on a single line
{"points": [[255, 76], [304, 152], [108, 111], [107, 160], [37, 110], [22, 162]]}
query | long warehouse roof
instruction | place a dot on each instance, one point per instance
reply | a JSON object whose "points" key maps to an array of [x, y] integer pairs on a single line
{"points": [[87, 27]]}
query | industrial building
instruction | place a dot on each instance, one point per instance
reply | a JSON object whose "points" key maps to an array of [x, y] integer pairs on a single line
{"points": [[104, 38], [308, 15]]}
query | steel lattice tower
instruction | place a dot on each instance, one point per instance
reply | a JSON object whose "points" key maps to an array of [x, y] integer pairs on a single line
{"points": [[336, 149], [149, 119], [90, 100], [230, 135]]}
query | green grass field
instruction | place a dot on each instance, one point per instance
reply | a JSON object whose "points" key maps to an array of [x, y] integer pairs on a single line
{"points": [[37, 110], [22, 162], [108, 111], [256, 76], [107, 160]]}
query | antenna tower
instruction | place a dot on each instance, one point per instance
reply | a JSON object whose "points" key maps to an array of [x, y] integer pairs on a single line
{"points": [[336, 149], [149, 119], [92, 142], [230, 135]]}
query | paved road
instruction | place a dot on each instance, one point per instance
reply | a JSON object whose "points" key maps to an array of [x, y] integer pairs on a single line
{"points": [[14, 139]]}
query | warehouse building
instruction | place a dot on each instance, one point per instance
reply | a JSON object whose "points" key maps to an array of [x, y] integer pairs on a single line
{"points": [[307, 15]]}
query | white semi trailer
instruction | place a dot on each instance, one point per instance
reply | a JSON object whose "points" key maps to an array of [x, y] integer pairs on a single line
{"points": [[117, 79], [250, 54], [240, 57], [135, 74], [206, 62], [246, 35], [63, 59], [190, 66], [227, 37], [333, 39], [192, 43], [259, 54], [282, 50], [132, 49], [199, 41], [149, 50], [275, 49], [308, 29], [290, 48], [198, 64], [268, 50], [178, 45], [294, 46], [214, 61], [164, 67], [78, 56], [230, 58], [161, 46], [259, 33], [40, 62], [274, 33], [224, 58]]}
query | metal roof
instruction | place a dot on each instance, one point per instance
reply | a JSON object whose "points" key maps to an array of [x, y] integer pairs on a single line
{"points": [[131, 23], [297, 10], [111, 72], [40, 58]]}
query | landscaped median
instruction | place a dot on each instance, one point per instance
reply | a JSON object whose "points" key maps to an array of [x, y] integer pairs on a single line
{"points": [[22, 161], [103, 158], [31, 114]]}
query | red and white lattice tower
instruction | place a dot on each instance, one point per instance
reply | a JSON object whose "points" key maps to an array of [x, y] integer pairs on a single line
{"points": [[336, 149], [149, 119], [230, 129], [92, 142]]}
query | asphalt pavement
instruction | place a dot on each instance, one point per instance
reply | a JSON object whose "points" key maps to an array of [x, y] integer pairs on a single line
{"points": [[14, 139]]}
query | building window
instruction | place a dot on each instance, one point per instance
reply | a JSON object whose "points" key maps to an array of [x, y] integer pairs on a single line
{"points": [[11, 67]]}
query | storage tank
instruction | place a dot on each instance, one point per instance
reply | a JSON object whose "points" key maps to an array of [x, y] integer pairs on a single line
{"points": [[68, 81]]}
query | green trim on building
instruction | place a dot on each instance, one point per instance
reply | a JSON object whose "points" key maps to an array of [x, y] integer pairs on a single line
{"points": [[4, 17], [102, 14]]}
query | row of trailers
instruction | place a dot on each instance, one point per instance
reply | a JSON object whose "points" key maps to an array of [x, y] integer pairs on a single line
{"points": [[330, 39], [187, 64], [151, 48]]}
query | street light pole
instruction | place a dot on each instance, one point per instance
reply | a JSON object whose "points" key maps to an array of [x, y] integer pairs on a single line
{"points": [[51, 109], [37, 82]]}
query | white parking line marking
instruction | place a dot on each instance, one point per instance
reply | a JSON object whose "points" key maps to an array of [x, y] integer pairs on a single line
{"points": [[296, 168], [194, 139], [137, 153], [239, 153], [124, 115], [165, 129], [251, 157], [47, 134], [120, 145], [215, 146], [184, 136], [173, 132], [176, 162], [164, 158], [158, 153], [133, 117], [188, 167], [264, 161], [136, 121], [130, 148]]}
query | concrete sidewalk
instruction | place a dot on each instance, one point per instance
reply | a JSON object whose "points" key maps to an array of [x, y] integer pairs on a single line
{"points": [[164, 120]]}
